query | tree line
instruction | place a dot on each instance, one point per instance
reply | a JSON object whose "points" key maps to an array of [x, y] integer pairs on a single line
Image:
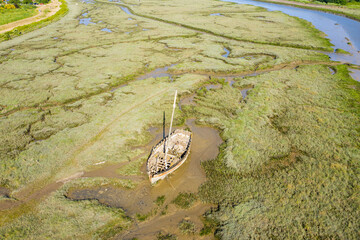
{"points": [[341, 2]]}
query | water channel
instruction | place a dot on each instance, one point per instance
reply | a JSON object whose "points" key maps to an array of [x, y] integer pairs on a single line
{"points": [[343, 33]]}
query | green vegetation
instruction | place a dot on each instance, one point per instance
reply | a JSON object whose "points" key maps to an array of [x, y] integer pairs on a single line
{"points": [[160, 200], [210, 225], [12, 15], [341, 2], [341, 51], [290, 158], [99, 181], [165, 236], [142, 217], [184, 200], [273, 28], [60, 218], [133, 168], [36, 25], [71, 102], [187, 227]]}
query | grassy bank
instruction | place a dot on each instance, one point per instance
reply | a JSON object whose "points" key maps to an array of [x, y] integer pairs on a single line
{"points": [[12, 15], [36, 25], [291, 159]]}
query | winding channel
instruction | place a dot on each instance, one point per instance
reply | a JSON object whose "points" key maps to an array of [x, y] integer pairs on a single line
{"points": [[343, 32]]}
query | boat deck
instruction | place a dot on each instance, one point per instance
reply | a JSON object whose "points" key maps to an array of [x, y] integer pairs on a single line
{"points": [[177, 145]]}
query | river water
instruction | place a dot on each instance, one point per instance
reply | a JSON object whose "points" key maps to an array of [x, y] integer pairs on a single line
{"points": [[343, 33]]}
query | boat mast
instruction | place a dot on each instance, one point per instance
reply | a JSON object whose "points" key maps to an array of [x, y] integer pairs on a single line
{"points": [[172, 117], [164, 131]]}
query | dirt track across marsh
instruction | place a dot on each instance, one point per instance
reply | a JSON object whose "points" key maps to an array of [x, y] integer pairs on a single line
{"points": [[44, 11]]}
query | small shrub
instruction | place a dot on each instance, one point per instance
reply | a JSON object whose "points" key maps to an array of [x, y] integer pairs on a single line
{"points": [[9, 6], [185, 200], [160, 200], [164, 211], [167, 236], [210, 225], [187, 227], [142, 217]]}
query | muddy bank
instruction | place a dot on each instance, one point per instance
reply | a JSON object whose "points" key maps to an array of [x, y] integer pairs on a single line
{"points": [[4, 192], [168, 224], [188, 100]]}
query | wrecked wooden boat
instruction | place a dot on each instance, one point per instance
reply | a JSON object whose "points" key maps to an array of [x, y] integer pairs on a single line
{"points": [[170, 153]]}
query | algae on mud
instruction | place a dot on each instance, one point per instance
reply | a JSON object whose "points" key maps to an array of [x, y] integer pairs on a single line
{"points": [[72, 103]]}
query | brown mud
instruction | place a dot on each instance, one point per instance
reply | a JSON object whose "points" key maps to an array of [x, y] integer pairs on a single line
{"points": [[4, 192], [188, 178], [187, 100], [25, 197]]}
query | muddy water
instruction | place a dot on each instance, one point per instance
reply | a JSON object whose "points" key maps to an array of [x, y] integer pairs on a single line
{"points": [[106, 30], [332, 71], [126, 10], [86, 21], [187, 178], [216, 14], [227, 52], [355, 74], [244, 92], [157, 73], [213, 86]]}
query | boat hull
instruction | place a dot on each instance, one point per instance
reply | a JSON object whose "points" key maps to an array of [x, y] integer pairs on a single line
{"points": [[160, 176], [179, 150]]}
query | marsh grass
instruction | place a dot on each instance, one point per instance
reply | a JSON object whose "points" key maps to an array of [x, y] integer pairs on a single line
{"points": [[63, 219], [289, 163], [341, 51], [187, 227], [133, 168], [98, 181], [62, 117], [62, 128], [267, 30], [210, 225], [160, 200], [165, 236], [142, 217], [185, 200]]}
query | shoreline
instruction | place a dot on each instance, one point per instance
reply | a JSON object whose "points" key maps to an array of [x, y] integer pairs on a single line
{"points": [[320, 7]]}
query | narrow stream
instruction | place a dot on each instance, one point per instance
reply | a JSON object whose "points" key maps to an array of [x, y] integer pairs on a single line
{"points": [[227, 52]]}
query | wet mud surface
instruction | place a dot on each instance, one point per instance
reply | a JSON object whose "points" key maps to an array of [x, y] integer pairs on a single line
{"points": [[188, 100], [141, 200]]}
